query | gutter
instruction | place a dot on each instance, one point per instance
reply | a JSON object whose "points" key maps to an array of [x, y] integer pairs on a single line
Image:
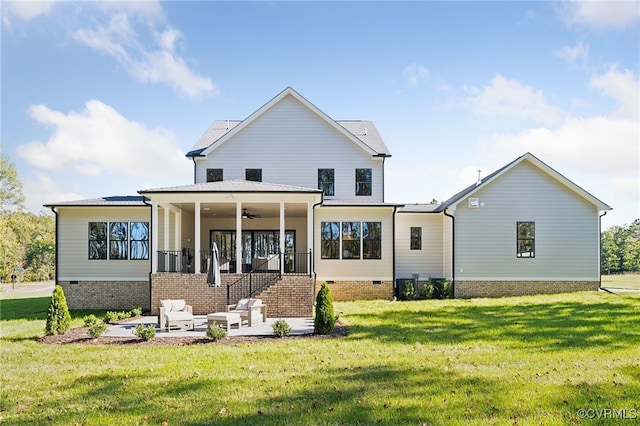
{"points": [[194, 171], [313, 244], [600, 251], [453, 252]]}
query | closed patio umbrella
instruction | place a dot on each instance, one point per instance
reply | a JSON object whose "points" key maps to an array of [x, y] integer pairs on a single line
{"points": [[213, 274]]}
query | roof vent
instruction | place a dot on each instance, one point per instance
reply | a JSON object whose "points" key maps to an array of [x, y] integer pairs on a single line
{"points": [[365, 131], [479, 179], [227, 124]]}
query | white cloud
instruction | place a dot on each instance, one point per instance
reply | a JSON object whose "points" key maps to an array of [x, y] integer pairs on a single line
{"points": [[100, 140], [600, 14], [622, 86], [505, 98], [156, 64], [574, 54], [42, 189], [414, 73], [25, 10]]}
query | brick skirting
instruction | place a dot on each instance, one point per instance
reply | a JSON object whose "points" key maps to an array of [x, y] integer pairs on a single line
{"points": [[111, 295], [468, 289], [342, 291]]}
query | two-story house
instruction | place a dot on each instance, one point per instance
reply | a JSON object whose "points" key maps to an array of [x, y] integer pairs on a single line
{"points": [[291, 197]]}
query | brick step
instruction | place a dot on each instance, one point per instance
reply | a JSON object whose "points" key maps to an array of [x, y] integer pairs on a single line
{"points": [[290, 296]]}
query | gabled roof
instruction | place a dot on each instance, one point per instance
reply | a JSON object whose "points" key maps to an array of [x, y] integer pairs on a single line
{"points": [[362, 133], [114, 201], [232, 186], [470, 190]]}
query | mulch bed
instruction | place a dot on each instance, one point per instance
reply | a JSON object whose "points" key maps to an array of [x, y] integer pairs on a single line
{"points": [[80, 336]]}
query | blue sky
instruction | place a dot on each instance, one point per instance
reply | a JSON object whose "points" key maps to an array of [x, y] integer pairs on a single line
{"points": [[105, 98]]}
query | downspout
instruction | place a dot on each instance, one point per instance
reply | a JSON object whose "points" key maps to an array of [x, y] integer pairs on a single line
{"points": [[453, 252], [600, 250], [53, 209], [193, 158], [313, 244], [144, 200]]}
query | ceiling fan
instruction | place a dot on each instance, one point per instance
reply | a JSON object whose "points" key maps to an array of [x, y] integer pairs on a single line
{"points": [[247, 215]]}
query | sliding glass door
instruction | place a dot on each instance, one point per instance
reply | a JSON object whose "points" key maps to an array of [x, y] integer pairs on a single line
{"points": [[257, 246]]}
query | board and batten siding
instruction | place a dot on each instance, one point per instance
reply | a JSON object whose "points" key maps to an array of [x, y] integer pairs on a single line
{"points": [[355, 269], [290, 143], [566, 231], [429, 260], [73, 244]]}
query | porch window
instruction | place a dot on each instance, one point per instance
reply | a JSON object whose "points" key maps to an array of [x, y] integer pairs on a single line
{"points": [[97, 240], [363, 181], [330, 242], [139, 234], [326, 181], [371, 240], [526, 239], [215, 175], [351, 240], [254, 175], [416, 238], [118, 240]]}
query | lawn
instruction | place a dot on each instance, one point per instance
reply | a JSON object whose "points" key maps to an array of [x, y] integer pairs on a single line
{"points": [[522, 360], [628, 281]]}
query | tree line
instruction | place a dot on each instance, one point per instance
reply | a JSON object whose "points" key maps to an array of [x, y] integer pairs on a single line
{"points": [[27, 240]]}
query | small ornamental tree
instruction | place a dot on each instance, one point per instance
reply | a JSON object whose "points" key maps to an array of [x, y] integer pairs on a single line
{"points": [[325, 319], [58, 318]]}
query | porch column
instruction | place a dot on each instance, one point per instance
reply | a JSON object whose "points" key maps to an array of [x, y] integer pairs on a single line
{"points": [[282, 237], [177, 228], [167, 219], [154, 238], [239, 262], [310, 235], [196, 248]]}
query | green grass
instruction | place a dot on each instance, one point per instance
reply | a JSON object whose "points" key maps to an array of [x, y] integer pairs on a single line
{"points": [[628, 281], [523, 360]]}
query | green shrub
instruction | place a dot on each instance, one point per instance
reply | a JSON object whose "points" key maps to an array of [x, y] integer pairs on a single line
{"points": [[89, 320], [409, 291], [97, 329], [145, 332], [58, 318], [325, 320], [281, 328], [426, 292], [112, 317], [135, 312], [215, 332]]}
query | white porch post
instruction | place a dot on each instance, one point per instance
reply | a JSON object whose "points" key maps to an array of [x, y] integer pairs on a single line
{"points": [[167, 218], [310, 231], [176, 230], [154, 238], [282, 237], [238, 238], [197, 237]]}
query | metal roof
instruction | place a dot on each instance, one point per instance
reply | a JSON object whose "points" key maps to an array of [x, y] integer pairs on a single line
{"points": [[232, 186], [113, 201]]}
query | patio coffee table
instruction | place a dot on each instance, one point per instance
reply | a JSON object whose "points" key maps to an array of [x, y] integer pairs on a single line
{"points": [[226, 319]]}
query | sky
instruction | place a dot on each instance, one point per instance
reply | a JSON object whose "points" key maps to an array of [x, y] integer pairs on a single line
{"points": [[106, 98]]}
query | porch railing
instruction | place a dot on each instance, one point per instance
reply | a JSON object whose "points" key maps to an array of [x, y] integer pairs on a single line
{"points": [[261, 276]]}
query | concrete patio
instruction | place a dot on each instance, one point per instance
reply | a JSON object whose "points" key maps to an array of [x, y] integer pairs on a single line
{"points": [[299, 326]]}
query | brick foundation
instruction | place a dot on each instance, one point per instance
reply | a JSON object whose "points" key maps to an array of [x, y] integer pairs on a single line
{"points": [[342, 291], [111, 295], [291, 297], [467, 289]]}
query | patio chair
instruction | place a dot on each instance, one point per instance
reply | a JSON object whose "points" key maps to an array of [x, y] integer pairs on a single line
{"points": [[175, 312], [250, 310]]}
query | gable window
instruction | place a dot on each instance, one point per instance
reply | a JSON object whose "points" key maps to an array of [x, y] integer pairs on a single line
{"points": [[363, 181], [416, 238], [139, 234], [326, 181], [371, 240], [97, 240], [118, 240], [214, 175], [351, 240], [254, 175], [526, 239], [330, 243]]}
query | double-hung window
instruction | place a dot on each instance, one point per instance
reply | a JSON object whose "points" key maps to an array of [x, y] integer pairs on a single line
{"points": [[371, 240], [526, 239], [363, 181], [416, 238], [351, 240], [330, 240], [326, 181], [215, 175], [254, 175]]}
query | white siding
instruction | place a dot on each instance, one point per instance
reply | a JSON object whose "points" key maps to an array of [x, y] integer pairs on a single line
{"points": [[566, 230], [290, 143], [355, 269], [73, 245], [428, 261]]}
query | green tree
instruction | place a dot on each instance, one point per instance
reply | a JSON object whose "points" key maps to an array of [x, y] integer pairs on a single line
{"points": [[609, 253], [11, 196], [325, 320], [58, 317]]}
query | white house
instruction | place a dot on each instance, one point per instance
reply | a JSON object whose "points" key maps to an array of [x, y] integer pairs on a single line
{"points": [[292, 197]]}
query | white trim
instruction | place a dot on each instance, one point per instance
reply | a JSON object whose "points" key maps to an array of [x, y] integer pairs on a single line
{"points": [[360, 278], [105, 279], [528, 279], [197, 243]]}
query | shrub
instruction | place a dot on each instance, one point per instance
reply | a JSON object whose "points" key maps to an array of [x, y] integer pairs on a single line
{"points": [[112, 317], [426, 292], [325, 319], [97, 329], [89, 320], [281, 328], [58, 318], [409, 291], [145, 332], [135, 312], [215, 332]]}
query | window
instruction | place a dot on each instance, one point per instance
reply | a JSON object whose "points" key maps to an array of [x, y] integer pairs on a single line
{"points": [[330, 243], [416, 238], [118, 240], [351, 240], [363, 181], [371, 240], [254, 175], [214, 175], [97, 240], [139, 234], [326, 181], [526, 239]]}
